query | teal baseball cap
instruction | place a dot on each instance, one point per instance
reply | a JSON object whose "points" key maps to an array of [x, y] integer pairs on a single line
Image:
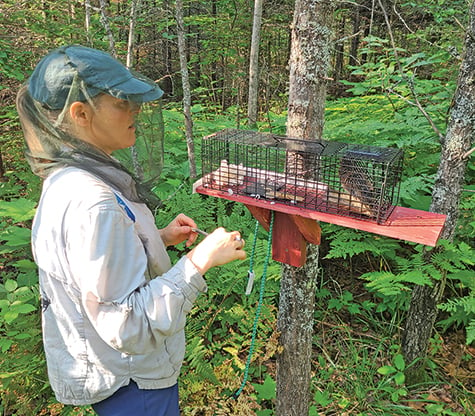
{"points": [[94, 72]]}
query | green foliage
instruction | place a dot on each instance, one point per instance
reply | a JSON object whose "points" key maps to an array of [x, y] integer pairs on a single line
{"points": [[462, 312], [459, 261], [396, 378], [454, 262], [11, 68], [266, 394], [466, 227], [19, 210], [346, 243], [22, 361], [388, 120], [366, 288]]}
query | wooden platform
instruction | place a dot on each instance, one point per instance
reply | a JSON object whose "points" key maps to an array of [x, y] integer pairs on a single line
{"points": [[294, 226]]}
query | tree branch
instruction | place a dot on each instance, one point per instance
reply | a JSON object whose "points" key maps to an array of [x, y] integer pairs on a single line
{"points": [[467, 154], [409, 81]]}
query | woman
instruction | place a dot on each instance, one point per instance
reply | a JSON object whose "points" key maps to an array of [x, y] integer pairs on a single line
{"points": [[114, 307]]}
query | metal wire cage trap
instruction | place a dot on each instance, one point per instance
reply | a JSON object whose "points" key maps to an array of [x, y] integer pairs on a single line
{"points": [[345, 179]]}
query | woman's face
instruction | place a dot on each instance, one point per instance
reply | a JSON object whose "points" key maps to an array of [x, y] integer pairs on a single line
{"points": [[112, 123]]}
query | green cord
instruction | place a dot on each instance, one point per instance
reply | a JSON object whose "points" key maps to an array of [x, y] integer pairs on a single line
{"points": [[261, 298], [253, 251]]}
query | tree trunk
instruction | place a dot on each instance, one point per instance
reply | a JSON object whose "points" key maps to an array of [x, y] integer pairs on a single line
{"points": [[445, 199], [339, 51], [87, 21], [309, 63], [254, 66], [186, 87], [138, 169], [2, 169], [295, 325], [355, 39], [134, 7], [105, 22]]}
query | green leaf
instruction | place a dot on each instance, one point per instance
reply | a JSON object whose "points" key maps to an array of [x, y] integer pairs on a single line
{"points": [[10, 316], [19, 210], [16, 237], [399, 378], [265, 412], [354, 309], [11, 285], [399, 362], [266, 391], [23, 308], [5, 345], [335, 303], [25, 264], [435, 409], [28, 279], [386, 369], [23, 336], [466, 277], [471, 332], [322, 398]]}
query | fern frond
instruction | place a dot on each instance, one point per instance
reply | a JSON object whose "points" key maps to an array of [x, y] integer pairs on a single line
{"points": [[466, 303], [196, 356], [470, 332], [390, 284], [347, 242]]}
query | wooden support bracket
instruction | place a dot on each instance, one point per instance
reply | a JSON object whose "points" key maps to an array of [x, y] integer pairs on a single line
{"points": [[290, 234]]}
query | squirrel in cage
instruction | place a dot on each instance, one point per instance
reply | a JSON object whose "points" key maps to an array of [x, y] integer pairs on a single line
{"points": [[355, 181]]}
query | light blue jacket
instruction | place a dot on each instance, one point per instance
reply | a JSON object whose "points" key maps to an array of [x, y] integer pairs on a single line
{"points": [[114, 308]]}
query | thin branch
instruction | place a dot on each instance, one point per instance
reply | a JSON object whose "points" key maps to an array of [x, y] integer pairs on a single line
{"points": [[345, 38], [467, 154], [409, 81], [402, 19], [419, 106], [459, 24], [372, 18]]}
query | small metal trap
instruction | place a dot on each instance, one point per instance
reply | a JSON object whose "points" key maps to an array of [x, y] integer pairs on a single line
{"points": [[345, 179]]}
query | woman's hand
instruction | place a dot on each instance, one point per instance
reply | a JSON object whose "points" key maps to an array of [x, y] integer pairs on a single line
{"points": [[220, 247], [179, 230]]}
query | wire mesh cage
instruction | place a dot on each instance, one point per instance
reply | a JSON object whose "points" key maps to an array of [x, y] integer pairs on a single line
{"points": [[346, 179]]}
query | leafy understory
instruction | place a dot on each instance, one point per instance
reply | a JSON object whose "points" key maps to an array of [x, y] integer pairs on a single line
{"points": [[361, 301]]}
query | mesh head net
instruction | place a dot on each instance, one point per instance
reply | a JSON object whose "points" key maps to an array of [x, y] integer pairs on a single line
{"points": [[63, 77]]}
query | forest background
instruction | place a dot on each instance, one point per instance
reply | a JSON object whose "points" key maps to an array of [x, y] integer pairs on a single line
{"points": [[378, 94]]}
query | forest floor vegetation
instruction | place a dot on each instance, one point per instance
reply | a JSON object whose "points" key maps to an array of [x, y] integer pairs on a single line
{"points": [[357, 365]]}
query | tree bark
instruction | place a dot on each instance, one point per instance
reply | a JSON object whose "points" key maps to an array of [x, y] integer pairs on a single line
{"points": [[87, 21], [458, 141], [186, 87], [309, 64], [134, 7], [339, 51], [105, 22], [138, 169], [2, 169], [254, 65], [355, 39], [295, 325]]}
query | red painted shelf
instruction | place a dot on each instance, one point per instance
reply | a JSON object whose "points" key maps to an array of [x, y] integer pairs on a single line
{"points": [[404, 223]]}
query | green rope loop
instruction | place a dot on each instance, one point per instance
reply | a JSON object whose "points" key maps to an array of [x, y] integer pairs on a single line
{"points": [[261, 299]]}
